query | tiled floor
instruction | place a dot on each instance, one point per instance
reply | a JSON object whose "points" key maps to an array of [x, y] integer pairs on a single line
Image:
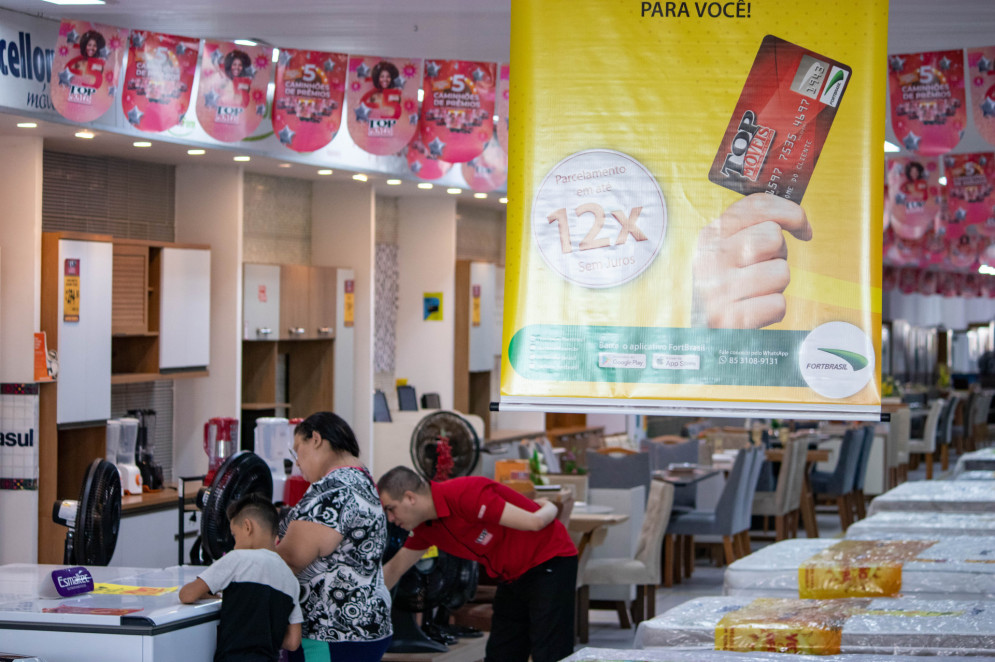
{"points": [[706, 581]]}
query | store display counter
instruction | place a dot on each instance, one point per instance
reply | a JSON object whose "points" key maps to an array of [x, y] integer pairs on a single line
{"points": [[898, 524], [945, 496]]}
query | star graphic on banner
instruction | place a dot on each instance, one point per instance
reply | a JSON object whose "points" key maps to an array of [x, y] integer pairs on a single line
{"points": [[65, 77], [416, 167], [261, 109], [137, 39], [112, 90], [284, 57], [362, 71], [181, 48], [987, 108], [211, 99], [435, 148], [984, 64], [960, 215], [911, 142], [432, 69], [286, 135], [477, 75], [217, 57], [135, 115], [250, 72], [362, 113], [900, 198], [399, 82], [896, 63], [413, 118], [72, 37], [945, 63], [328, 65], [982, 160], [105, 52]]}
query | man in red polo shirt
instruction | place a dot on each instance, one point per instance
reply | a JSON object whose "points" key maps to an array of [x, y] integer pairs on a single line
{"points": [[517, 540]]}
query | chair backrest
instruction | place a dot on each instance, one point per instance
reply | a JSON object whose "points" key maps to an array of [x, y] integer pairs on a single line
{"points": [[901, 428], [932, 424], [749, 489], [618, 472], [663, 455], [791, 480], [841, 480], [657, 517], [982, 402], [944, 428], [726, 509], [860, 474]]}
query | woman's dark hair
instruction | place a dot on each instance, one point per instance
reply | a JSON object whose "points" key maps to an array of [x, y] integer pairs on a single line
{"points": [[242, 57], [908, 171], [332, 429], [92, 35], [381, 66]]}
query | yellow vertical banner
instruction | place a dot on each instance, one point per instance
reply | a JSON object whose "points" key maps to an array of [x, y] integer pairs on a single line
{"points": [[70, 290], [475, 313], [694, 218], [349, 305]]}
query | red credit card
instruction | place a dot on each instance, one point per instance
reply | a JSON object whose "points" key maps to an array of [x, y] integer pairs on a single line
{"points": [[781, 121]]}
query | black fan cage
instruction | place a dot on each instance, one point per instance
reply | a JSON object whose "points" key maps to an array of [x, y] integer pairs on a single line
{"points": [[241, 474], [442, 581], [98, 516], [458, 433]]}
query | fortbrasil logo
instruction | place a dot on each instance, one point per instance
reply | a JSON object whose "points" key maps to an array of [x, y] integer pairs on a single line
{"points": [[836, 359]]}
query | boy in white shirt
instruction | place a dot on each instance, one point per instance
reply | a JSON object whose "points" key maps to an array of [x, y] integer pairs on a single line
{"points": [[260, 613]]}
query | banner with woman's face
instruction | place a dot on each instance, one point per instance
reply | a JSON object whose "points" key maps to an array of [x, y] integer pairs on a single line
{"points": [[503, 98], [926, 91], [158, 82], [231, 96], [307, 100], [458, 108], [913, 202], [84, 69], [981, 73], [383, 102], [969, 193]]}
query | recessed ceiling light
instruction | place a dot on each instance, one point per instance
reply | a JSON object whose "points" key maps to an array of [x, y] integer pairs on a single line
{"points": [[424, 185], [142, 143], [393, 182], [985, 269], [276, 55], [421, 94], [245, 42], [454, 191], [891, 147], [241, 158], [326, 171], [503, 201], [480, 196], [86, 135], [360, 177], [27, 125], [942, 181], [283, 165], [75, 2], [196, 152]]}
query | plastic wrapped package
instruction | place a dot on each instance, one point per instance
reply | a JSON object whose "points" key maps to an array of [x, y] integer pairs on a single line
{"points": [[670, 655], [948, 496], [928, 525], [867, 626], [980, 460], [951, 568], [976, 474]]}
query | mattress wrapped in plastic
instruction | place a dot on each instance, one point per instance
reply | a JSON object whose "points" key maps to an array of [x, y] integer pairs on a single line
{"points": [[976, 474], [947, 496], [951, 568], [878, 626], [899, 524], [672, 655], [981, 460]]}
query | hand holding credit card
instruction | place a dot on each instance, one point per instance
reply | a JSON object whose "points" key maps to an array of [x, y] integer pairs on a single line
{"points": [[768, 153]]}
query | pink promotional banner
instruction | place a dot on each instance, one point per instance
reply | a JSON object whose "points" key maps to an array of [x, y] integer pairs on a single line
{"points": [[913, 201], [159, 79], [458, 109], [231, 96], [383, 102], [84, 69], [423, 163], [927, 100], [981, 73], [488, 170], [307, 101], [504, 95], [970, 179]]}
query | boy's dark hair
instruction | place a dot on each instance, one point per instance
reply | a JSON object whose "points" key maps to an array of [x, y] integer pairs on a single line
{"points": [[258, 507], [332, 429], [399, 480]]}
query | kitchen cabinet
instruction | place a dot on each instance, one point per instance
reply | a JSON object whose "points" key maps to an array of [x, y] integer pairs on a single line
{"points": [[260, 301], [185, 309]]}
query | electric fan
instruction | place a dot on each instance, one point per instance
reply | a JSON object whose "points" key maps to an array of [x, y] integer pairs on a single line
{"points": [[94, 519], [241, 474], [444, 445], [443, 581]]}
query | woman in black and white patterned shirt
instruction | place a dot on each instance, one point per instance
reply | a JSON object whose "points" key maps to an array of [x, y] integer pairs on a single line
{"points": [[333, 540]]}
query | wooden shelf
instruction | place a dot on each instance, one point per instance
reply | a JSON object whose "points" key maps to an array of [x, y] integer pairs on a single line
{"points": [[150, 334], [139, 377], [259, 406]]}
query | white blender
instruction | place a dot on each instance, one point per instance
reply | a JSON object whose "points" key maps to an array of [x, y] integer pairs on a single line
{"points": [[274, 437], [122, 435]]}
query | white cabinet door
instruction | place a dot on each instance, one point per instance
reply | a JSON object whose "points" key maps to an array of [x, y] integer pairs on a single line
{"points": [[482, 280], [261, 301], [84, 388], [185, 309]]}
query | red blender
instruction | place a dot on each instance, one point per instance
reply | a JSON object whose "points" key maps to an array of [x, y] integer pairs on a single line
{"points": [[220, 441]]}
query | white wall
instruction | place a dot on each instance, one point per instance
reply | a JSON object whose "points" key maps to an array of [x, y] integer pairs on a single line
{"points": [[343, 235], [20, 297], [209, 211], [426, 246]]}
